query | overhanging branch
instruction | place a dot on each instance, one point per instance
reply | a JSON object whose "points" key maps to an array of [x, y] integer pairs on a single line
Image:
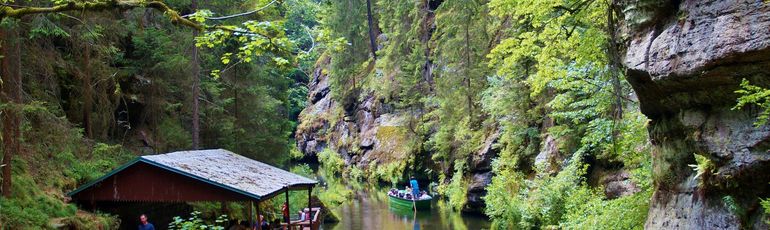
{"points": [[18, 11], [236, 15]]}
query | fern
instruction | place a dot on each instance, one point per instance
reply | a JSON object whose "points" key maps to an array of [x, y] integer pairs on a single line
{"points": [[754, 95], [703, 166]]}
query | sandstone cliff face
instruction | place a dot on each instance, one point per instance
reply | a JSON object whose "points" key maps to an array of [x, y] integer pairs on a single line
{"points": [[685, 59], [367, 132], [362, 131]]}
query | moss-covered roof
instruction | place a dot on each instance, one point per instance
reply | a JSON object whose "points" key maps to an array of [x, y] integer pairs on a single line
{"points": [[223, 169]]}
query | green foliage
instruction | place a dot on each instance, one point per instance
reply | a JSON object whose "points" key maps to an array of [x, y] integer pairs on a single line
{"points": [[103, 158], [588, 209], [336, 190], [736, 208], [356, 174], [523, 69], [766, 207], [553, 64], [345, 32], [48, 169], [194, 222], [399, 68], [754, 95], [173, 136], [27, 210], [140, 95], [703, 168], [392, 172], [332, 163], [295, 153], [457, 188], [560, 201]]}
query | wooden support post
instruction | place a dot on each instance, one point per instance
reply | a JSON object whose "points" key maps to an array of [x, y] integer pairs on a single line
{"points": [[309, 205], [251, 214], [259, 221], [288, 210]]}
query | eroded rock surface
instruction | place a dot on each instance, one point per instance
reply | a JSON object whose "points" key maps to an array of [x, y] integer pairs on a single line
{"points": [[481, 174], [362, 131], [685, 60]]}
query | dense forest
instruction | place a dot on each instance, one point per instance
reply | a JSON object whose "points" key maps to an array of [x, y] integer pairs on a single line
{"points": [[96, 87], [538, 114]]}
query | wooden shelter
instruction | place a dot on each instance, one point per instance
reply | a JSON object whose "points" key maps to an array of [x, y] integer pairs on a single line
{"points": [[189, 176]]}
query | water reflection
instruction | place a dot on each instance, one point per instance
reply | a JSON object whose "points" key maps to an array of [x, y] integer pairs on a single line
{"points": [[369, 210]]}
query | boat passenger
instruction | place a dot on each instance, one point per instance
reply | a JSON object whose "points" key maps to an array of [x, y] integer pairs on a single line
{"points": [[415, 187], [304, 214], [263, 223], [424, 195]]}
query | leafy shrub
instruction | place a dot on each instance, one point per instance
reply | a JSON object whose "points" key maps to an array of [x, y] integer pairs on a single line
{"points": [[331, 161], [356, 174], [754, 95], [91, 221], [457, 190], [703, 168], [588, 209], [766, 206], [391, 172], [194, 222], [562, 201], [173, 136], [294, 152]]}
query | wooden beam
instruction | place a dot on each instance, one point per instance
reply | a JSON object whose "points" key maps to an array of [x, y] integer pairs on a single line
{"points": [[288, 210], [251, 214], [309, 206], [259, 220]]}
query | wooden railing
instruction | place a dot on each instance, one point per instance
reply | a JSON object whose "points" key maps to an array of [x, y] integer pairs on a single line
{"points": [[305, 224]]}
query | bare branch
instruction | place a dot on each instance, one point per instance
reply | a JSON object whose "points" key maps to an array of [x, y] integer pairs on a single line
{"points": [[236, 15]]}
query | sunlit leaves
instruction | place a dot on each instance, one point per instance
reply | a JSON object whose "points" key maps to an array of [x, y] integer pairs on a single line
{"points": [[201, 15], [254, 39], [551, 39], [555, 53], [754, 95]]}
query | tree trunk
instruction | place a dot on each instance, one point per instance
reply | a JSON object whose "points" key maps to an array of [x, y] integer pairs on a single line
{"points": [[87, 92], [236, 111], [370, 19], [468, 66], [614, 71], [11, 96], [195, 68]]}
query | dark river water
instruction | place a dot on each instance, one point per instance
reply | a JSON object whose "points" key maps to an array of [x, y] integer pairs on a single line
{"points": [[369, 210]]}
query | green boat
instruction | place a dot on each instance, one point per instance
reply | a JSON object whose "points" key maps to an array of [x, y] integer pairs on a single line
{"points": [[407, 204]]}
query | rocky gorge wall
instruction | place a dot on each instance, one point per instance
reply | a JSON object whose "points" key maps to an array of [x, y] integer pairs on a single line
{"points": [[685, 61], [366, 133]]}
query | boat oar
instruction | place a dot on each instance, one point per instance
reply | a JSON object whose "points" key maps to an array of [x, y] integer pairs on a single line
{"points": [[414, 204]]}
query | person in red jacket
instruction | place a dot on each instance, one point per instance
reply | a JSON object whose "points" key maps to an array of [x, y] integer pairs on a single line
{"points": [[285, 210]]}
